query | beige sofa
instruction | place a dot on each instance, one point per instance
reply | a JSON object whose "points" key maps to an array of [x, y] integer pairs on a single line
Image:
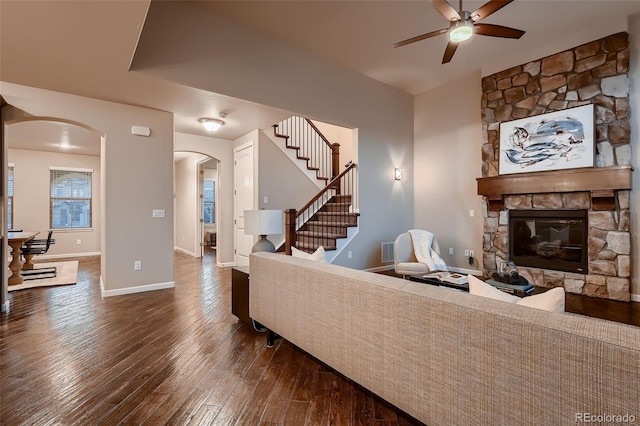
{"points": [[447, 357]]}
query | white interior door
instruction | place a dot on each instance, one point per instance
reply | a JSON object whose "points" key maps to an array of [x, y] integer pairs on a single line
{"points": [[244, 200]]}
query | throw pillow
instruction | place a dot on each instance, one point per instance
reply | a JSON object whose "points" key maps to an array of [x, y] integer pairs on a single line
{"points": [[551, 300], [318, 255], [480, 288]]}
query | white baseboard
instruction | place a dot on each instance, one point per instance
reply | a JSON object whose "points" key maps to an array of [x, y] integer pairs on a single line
{"points": [[136, 289], [225, 264], [380, 268], [67, 255], [187, 252], [635, 297], [465, 271]]}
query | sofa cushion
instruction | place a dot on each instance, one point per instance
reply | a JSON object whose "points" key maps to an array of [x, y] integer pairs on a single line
{"points": [[551, 300], [480, 288], [318, 255]]}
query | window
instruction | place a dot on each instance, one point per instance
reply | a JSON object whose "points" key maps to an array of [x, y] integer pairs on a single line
{"points": [[70, 198], [209, 189], [10, 199]]}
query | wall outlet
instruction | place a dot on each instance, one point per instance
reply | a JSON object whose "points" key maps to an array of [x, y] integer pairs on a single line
{"points": [[137, 265], [450, 250], [158, 213], [471, 254], [472, 213], [466, 252], [349, 254], [266, 200], [78, 241]]}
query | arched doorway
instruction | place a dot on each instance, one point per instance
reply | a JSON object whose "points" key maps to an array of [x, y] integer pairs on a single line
{"points": [[35, 151], [196, 204]]}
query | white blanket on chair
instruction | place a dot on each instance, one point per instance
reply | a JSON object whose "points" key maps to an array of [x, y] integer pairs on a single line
{"points": [[422, 247]]}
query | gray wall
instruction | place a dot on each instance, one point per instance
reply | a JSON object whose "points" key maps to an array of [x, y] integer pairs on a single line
{"points": [[448, 141], [137, 175], [252, 67]]}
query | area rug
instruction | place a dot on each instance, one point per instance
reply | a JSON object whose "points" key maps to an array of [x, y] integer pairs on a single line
{"points": [[65, 273]]}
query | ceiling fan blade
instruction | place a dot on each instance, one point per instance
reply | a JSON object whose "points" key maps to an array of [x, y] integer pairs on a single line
{"points": [[488, 8], [497, 31], [420, 37], [446, 10], [449, 51]]}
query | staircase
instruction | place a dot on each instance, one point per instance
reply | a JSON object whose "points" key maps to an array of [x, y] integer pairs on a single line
{"points": [[326, 226], [327, 217], [311, 146]]}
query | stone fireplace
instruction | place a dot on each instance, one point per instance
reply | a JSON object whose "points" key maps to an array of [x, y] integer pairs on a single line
{"points": [[594, 73]]}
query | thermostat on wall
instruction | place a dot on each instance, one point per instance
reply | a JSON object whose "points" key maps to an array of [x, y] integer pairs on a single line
{"points": [[140, 131]]}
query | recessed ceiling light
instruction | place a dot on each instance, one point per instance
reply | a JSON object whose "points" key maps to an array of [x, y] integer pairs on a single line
{"points": [[211, 124]]}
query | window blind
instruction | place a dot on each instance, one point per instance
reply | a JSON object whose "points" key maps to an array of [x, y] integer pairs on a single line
{"points": [[70, 198], [10, 199]]}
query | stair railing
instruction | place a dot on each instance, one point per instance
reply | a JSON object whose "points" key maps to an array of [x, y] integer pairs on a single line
{"points": [[312, 145], [326, 224]]}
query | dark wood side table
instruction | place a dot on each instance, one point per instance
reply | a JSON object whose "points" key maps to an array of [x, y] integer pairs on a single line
{"points": [[240, 297], [240, 293]]}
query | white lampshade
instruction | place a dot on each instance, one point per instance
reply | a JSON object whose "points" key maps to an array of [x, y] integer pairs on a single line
{"points": [[263, 222]]}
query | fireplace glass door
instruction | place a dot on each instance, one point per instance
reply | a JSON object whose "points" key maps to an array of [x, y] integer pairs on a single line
{"points": [[549, 239]]}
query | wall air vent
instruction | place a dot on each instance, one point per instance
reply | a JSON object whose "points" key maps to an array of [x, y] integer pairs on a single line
{"points": [[387, 252]]}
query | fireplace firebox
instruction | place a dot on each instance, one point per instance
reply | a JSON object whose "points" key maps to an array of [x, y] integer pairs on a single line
{"points": [[549, 239]]}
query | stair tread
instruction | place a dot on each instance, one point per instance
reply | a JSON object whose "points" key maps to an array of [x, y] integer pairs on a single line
{"points": [[351, 214], [301, 245], [322, 234]]}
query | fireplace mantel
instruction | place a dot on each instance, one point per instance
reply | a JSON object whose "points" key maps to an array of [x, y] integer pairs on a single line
{"points": [[600, 181]]}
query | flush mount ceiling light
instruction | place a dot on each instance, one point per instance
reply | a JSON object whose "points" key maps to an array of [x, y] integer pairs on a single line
{"points": [[211, 124]]}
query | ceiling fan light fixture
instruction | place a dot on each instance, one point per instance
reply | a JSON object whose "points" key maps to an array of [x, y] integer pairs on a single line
{"points": [[461, 31], [211, 124]]}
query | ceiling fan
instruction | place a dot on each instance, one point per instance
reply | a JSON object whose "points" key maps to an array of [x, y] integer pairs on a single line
{"points": [[464, 24]]}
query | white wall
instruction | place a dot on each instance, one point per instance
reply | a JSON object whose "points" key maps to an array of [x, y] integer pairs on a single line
{"points": [[634, 96], [253, 67], [186, 205], [221, 150], [137, 178], [345, 137], [31, 199], [447, 161]]}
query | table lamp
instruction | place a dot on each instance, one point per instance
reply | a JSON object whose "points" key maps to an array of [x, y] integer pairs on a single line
{"points": [[263, 223]]}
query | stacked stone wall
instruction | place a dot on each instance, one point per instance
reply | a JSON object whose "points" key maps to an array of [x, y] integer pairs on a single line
{"points": [[593, 73]]}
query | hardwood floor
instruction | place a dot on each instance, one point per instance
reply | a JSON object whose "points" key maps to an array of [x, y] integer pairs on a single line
{"points": [[175, 356]]}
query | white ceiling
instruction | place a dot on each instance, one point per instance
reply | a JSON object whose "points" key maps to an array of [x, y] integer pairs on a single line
{"points": [[85, 48]]}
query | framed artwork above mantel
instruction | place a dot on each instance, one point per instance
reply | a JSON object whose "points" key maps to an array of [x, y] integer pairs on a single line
{"points": [[553, 141]]}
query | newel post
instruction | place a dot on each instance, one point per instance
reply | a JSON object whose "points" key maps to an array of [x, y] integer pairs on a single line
{"points": [[335, 160], [289, 229]]}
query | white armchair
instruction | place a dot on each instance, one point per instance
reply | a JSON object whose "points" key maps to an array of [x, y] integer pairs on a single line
{"points": [[404, 258]]}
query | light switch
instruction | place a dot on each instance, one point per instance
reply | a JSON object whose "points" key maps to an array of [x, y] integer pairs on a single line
{"points": [[472, 213]]}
